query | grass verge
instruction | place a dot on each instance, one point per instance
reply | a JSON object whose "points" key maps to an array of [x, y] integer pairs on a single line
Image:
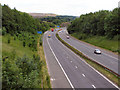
{"points": [[45, 76], [114, 78]]}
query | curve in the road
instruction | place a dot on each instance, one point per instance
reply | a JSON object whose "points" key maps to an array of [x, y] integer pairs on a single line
{"points": [[104, 59], [79, 73]]}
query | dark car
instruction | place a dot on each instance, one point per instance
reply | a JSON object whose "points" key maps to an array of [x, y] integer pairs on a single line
{"points": [[49, 36]]}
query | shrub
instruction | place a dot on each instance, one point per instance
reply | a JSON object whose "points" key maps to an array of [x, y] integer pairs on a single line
{"points": [[21, 73], [24, 43], [3, 31], [8, 40], [40, 42]]}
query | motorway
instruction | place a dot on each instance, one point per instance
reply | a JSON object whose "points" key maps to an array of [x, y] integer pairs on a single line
{"points": [[107, 58], [68, 70]]}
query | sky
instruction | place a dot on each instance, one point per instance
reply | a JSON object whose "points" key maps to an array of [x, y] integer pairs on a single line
{"points": [[61, 7]]}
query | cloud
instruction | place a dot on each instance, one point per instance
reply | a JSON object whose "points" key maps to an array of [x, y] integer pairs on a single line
{"points": [[62, 7]]}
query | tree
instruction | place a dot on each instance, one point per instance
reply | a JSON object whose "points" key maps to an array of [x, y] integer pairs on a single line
{"points": [[103, 23]]}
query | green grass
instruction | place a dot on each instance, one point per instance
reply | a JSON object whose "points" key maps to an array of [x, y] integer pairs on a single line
{"points": [[103, 42], [16, 64], [0, 47], [15, 45], [98, 67], [100, 41]]}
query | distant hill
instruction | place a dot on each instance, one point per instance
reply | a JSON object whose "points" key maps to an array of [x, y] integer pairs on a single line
{"points": [[40, 15], [59, 19]]}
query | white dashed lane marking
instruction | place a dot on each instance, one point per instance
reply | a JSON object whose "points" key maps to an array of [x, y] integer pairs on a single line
{"points": [[52, 79], [76, 67], [93, 86], [83, 75]]}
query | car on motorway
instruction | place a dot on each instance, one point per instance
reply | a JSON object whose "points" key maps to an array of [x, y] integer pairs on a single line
{"points": [[49, 36], [67, 37], [97, 51], [52, 29]]}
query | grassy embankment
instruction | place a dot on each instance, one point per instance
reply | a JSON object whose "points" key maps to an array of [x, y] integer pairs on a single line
{"points": [[0, 46], [101, 69], [22, 67], [45, 76], [100, 41]]}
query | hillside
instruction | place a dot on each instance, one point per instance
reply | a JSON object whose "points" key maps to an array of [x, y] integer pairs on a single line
{"points": [[99, 28], [40, 15], [23, 61]]}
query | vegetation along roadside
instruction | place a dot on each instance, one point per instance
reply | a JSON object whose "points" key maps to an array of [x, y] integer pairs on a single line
{"points": [[23, 62], [99, 28]]}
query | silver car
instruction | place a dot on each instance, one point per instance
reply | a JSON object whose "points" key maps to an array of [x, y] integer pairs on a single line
{"points": [[97, 51], [67, 37]]}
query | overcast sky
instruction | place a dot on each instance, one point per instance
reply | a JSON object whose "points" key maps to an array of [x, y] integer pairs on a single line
{"points": [[61, 7]]}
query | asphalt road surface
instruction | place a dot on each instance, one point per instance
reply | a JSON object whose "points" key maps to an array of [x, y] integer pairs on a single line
{"points": [[67, 70], [107, 58]]}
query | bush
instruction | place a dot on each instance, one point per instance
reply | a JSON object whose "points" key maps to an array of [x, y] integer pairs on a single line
{"points": [[8, 40], [15, 37], [24, 44], [40, 42], [3, 31], [80, 36], [21, 73]]}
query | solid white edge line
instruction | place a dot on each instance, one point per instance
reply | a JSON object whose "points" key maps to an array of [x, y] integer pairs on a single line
{"points": [[61, 66], [92, 68], [45, 32], [110, 56]]}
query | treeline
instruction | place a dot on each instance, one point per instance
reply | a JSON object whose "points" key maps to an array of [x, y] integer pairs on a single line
{"points": [[22, 26], [58, 20], [15, 21], [102, 23]]}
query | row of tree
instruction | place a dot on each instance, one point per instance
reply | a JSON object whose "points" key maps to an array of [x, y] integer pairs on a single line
{"points": [[103, 23], [15, 21], [58, 20]]}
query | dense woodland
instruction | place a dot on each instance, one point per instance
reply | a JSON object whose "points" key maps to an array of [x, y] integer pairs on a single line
{"points": [[102, 23]]}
